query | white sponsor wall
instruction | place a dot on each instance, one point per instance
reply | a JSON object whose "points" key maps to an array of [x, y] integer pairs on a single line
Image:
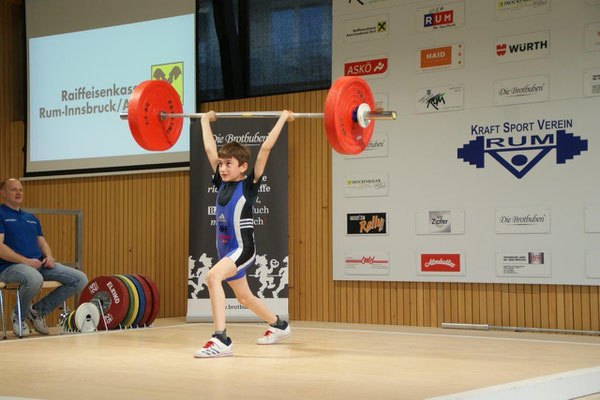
{"points": [[490, 173]]}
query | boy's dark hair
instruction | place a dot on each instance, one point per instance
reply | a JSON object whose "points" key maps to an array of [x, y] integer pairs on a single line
{"points": [[235, 150]]}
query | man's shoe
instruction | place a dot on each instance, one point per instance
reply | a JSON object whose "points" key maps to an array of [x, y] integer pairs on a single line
{"points": [[274, 335], [38, 322], [24, 327], [215, 348]]}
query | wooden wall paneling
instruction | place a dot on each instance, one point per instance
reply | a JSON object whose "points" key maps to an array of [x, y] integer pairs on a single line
{"points": [[584, 307], [594, 309], [439, 294], [577, 304], [535, 306], [293, 225], [569, 316], [464, 309]]}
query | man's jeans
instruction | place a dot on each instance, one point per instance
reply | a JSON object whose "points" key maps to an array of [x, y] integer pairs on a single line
{"points": [[73, 281]]}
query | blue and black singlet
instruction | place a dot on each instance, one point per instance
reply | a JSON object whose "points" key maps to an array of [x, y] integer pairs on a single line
{"points": [[235, 222]]}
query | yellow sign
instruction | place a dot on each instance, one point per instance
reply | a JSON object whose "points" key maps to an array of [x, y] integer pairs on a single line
{"points": [[172, 73]]}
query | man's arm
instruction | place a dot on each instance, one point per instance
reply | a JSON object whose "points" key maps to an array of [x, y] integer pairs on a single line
{"points": [[210, 146], [265, 149], [6, 253], [46, 252]]}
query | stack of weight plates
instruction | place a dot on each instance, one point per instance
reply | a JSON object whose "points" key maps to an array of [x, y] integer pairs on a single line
{"points": [[85, 319], [127, 301]]}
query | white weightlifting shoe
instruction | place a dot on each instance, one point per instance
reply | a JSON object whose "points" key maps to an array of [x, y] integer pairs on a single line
{"points": [[274, 335], [215, 348]]}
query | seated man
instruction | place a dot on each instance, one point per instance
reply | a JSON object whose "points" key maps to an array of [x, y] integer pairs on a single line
{"points": [[26, 258]]}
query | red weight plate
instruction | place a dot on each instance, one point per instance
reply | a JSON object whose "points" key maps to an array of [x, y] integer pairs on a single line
{"points": [[113, 296], [147, 101], [147, 297], [344, 134], [155, 303]]}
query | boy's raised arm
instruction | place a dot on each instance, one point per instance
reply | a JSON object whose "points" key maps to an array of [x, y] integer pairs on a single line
{"points": [[210, 146], [265, 148]]}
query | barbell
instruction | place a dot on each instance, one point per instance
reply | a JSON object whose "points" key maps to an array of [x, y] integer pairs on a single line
{"points": [[155, 115]]}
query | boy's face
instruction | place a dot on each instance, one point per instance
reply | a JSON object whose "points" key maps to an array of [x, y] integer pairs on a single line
{"points": [[231, 170]]}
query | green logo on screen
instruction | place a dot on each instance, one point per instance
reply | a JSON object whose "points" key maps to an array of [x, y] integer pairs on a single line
{"points": [[172, 73]]}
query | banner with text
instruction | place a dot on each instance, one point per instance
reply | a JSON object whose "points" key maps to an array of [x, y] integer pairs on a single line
{"points": [[268, 277]]}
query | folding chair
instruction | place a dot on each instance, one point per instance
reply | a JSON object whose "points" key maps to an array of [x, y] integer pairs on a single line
{"points": [[16, 287]]}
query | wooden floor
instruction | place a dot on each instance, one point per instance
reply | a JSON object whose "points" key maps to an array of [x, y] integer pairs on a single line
{"points": [[319, 361]]}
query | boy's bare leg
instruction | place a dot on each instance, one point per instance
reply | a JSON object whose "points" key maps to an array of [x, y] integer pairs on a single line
{"points": [[222, 270], [247, 298]]}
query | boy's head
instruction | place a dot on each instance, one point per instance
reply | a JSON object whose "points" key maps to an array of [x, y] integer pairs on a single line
{"points": [[234, 158]]}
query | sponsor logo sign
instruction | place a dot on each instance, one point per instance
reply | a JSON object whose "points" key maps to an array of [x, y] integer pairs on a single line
{"points": [[367, 263], [523, 220], [591, 82], [533, 263], [172, 73], [440, 222], [592, 219], [352, 5], [522, 47], [377, 65], [519, 146], [451, 263], [529, 89], [443, 98], [367, 184], [377, 147], [592, 37], [441, 16], [443, 57], [507, 9], [369, 28], [366, 223]]}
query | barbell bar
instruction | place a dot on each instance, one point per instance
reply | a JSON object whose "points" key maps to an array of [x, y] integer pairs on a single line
{"points": [[389, 115], [155, 115]]}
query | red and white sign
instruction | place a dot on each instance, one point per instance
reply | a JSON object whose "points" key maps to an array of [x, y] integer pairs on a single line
{"points": [[522, 47], [445, 57], [440, 262], [377, 65], [441, 16], [367, 263], [450, 263]]}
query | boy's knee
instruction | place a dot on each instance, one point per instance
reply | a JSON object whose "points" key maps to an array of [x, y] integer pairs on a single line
{"points": [[245, 300], [212, 279]]}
